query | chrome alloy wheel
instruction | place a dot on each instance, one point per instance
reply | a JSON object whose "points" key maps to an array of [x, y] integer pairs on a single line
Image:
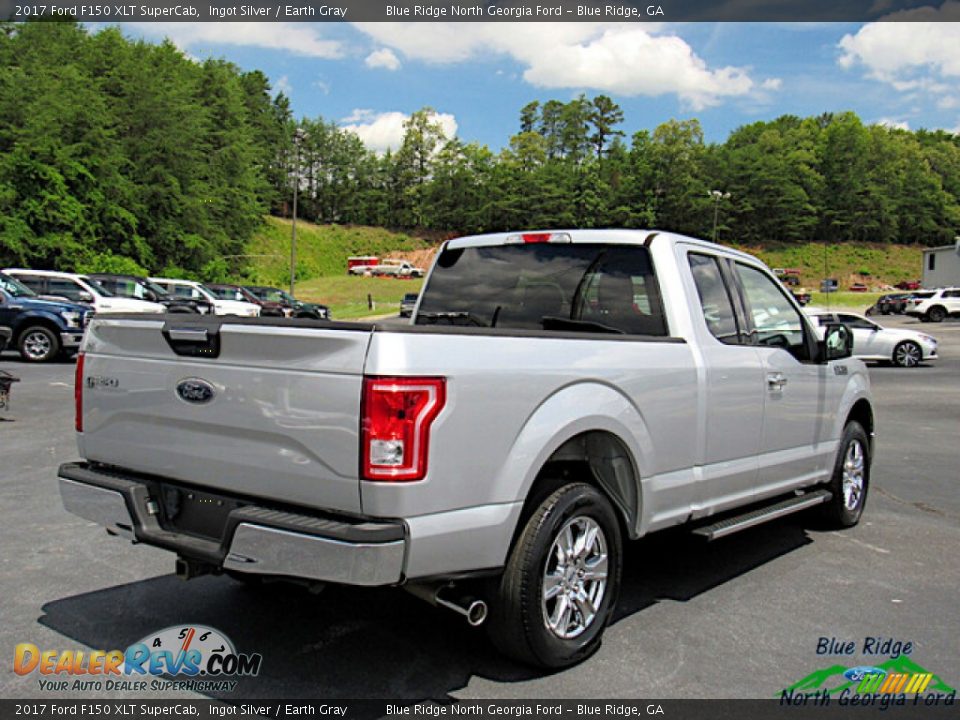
{"points": [[37, 345], [574, 577], [853, 473], [907, 355]]}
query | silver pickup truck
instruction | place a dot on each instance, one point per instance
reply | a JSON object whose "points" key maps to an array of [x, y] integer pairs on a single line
{"points": [[554, 395]]}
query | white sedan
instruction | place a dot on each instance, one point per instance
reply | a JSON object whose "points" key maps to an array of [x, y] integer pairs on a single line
{"points": [[902, 347]]}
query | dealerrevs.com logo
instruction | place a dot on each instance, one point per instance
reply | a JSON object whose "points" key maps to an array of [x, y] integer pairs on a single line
{"points": [[198, 657]]}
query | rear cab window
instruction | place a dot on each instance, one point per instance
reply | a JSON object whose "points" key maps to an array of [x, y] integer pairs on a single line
{"points": [[715, 301], [563, 287]]}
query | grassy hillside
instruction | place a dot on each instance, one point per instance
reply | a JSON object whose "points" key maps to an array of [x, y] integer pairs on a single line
{"points": [[873, 265], [322, 250], [347, 296]]}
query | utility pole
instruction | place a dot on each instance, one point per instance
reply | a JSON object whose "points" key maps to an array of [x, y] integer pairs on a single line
{"points": [[297, 139], [717, 196]]}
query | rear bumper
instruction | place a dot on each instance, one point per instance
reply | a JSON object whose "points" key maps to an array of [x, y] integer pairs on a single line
{"points": [[254, 540]]}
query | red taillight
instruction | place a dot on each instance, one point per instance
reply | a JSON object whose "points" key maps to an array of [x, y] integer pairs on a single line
{"points": [[78, 393], [396, 414]]}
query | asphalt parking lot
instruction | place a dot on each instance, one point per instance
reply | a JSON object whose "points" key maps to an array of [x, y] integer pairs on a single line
{"points": [[739, 618]]}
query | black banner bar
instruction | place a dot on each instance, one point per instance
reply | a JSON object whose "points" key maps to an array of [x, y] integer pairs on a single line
{"points": [[480, 11], [887, 706]]}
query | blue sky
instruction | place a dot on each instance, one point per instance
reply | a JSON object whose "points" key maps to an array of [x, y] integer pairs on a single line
{"points": [[477, 76]]}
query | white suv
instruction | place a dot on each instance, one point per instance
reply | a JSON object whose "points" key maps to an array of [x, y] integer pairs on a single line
{"points": [[934, 305], [81, 289], [196, 291]]}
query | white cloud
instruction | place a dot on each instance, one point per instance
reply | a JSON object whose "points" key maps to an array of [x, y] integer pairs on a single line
{"points": [[383, 58], [384, 131], [283, 85], [620, 58], [909, 56], [772, 84], [299, 38], [893, 124]]}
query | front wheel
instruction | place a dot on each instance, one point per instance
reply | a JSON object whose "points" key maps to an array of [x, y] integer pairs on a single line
{"points": [[561, 582], [850, 481], [907, 354], [39, 344]]}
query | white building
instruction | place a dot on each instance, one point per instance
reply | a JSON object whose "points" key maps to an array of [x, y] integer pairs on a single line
{"points": [[941, 266]]}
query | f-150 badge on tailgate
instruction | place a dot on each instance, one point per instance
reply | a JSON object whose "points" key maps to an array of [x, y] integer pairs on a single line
{"points": [[195, 390]]}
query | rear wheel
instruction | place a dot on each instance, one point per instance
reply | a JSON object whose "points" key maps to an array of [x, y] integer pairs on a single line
{"points": [[936, 314], [907, 354], [39, 344], [560, 586]]}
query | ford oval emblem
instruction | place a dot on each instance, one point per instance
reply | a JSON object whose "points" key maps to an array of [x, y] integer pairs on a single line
{"points": [[195, 390]]}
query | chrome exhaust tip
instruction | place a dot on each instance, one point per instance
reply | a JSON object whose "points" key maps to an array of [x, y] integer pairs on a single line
{"points": [[475, 611]]}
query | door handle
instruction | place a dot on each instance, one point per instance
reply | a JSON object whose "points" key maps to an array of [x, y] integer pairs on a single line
{"points": [[776, 381]]}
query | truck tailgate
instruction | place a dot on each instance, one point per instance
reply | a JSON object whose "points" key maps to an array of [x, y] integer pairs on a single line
{"points": [[276, 414]]}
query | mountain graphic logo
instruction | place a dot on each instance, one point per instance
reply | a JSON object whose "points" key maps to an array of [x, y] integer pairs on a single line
{"points": [[900, 674]]}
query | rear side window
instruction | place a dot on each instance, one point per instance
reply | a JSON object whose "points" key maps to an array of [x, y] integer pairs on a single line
{"points": [[184, 291], [64, 288], [569, 287], [714, 298], [34, 282]]}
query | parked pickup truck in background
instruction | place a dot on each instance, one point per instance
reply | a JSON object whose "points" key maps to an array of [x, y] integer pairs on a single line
{"points": [[554, 395], [392, 268], [40, 329]]}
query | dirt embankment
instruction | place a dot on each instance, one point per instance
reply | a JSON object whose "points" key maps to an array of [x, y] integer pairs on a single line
{"points": [[418, 258]]}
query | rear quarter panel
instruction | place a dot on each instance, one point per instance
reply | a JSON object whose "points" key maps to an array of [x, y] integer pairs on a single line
{"points": [[513, 400]]}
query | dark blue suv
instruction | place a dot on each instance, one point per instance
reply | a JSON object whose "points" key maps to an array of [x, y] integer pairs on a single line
{"points": [[40, 329]]}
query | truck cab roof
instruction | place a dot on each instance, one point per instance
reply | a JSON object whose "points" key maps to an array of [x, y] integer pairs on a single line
{"points": [[598, 236]]}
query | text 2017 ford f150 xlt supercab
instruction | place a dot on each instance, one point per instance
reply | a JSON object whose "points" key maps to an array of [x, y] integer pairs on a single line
{"points": [[555, 394]]}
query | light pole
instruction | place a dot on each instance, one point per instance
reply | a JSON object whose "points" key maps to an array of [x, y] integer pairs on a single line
{"points": [[298, 136], [717, 197]]}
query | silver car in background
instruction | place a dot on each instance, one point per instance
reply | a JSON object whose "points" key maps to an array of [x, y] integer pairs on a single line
{"points": [[872, 341]]}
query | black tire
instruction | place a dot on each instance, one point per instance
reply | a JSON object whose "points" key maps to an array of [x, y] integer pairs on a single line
{"points": [[907, 354], [519, 613], [936, 314], [38, 344], [247, 580], [838, 513]]}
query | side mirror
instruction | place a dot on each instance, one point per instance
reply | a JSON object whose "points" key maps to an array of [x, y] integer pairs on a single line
{"points": [[151, 296], [85, 296], [837, 343]]}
